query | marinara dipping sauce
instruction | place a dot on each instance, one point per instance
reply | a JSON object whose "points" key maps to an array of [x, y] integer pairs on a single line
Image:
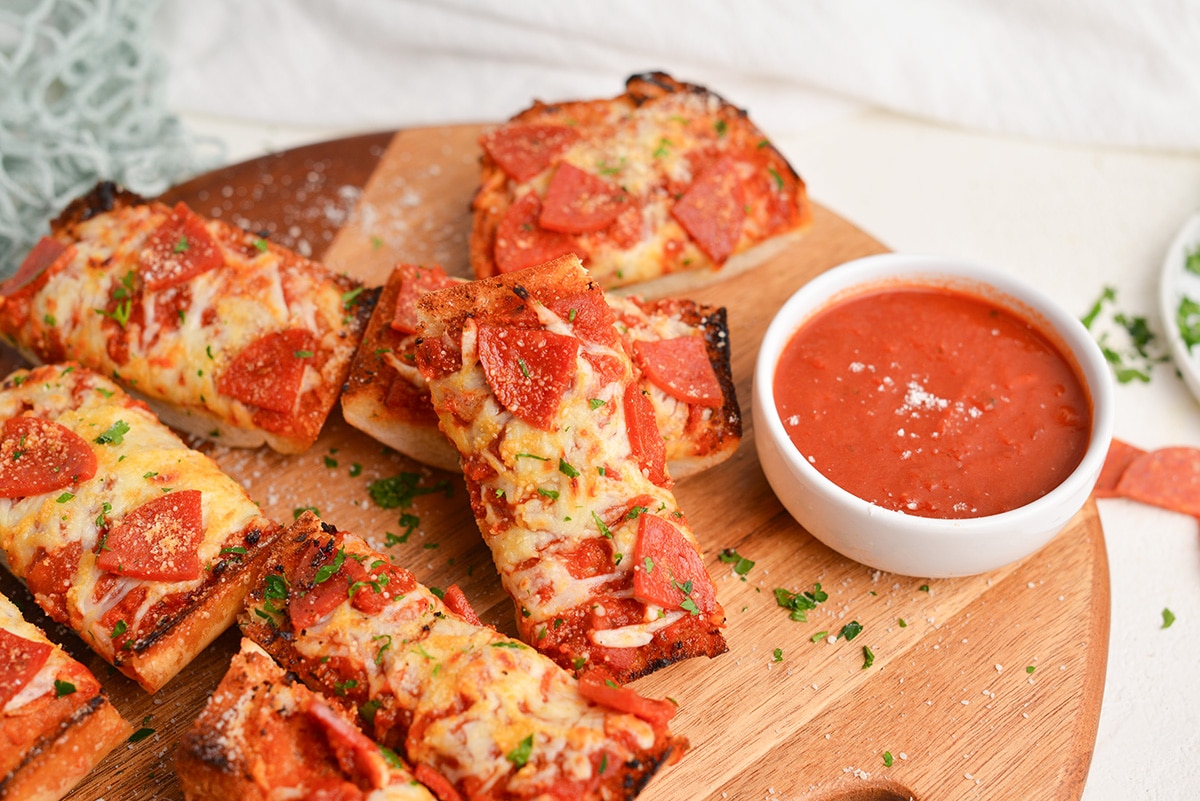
{"points": [[932, 402]]}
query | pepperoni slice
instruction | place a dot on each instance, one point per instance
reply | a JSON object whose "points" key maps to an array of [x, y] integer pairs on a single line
{"points": [[44, 253], [374, 586], [319, 582], [456, 601], [645, 440], [578, 202], [591, 558], [528, 369], [20, 660], [269, 371], [523, 151], [667, 570], [1167, 477], [178, 250], [158, 540], [438, 784], [357, 755], [599, 689], [415, 281], [521, 242], [713, 208], [590, 316], [39, 456], [1120, 455], [681, 368]]}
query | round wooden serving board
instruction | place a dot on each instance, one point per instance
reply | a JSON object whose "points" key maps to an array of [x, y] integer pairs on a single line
{"points": [[982, 687]]}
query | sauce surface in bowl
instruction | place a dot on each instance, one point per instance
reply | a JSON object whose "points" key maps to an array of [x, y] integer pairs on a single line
{"points": [[932, 402]]}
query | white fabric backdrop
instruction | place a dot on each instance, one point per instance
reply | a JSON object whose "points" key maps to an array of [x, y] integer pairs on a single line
{"points": [[1109, 72]]}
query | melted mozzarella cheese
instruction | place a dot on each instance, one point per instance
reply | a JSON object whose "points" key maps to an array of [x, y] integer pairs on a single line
{"points": [[149, 460]]}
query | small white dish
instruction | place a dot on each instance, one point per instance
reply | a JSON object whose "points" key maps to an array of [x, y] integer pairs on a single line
{"points": [[1175, 284], [907, 544]]}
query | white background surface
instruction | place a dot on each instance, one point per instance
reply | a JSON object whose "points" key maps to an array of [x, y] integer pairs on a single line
{"points": [[1059, 141], [1070, 220]]}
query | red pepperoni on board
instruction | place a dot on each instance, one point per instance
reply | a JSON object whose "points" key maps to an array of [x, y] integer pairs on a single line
{"points": [[1166, 477], [38, 260], [523, 151], [681, 368], [39, 456], [667, 570], [645, 439], [713, 209], [528, 369], [415, 282], [178, 250], [20, 661], [157, 541], [521, 242], [268, 372], [1120, 455], [578, 202]]}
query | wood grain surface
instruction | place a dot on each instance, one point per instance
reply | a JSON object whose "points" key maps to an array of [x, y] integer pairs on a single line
{"points": [[981, 687]]}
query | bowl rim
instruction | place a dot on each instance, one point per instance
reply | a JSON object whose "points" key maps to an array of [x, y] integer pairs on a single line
{"points": [[852, 278]]}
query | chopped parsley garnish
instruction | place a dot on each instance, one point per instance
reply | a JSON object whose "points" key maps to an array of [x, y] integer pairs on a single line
{"points": [[102, 518], [1030, 669], [66, 496], [721, 127], [118, 629], [342, 687], [548, 493], [1187, 319], [566, 469], [595, 403], [123, 294], [524, 367], [776, 177], [820, 635], [400, 490], [868, 657], [741, 565], [355, 470], [326, 571], [604, 530], [1168, 618], [888, 761], [663, 147], [902, 622], [260, 245], [299, 510], [391, 757], [799, 603], [1126, 341], [330, 462], [140, 734], [850, 630], [182, 245], [368, 710], [302, 354], [533, 456], [115, 434], [923, 588], [1191, 261], [778, 655], [62, 688], [520, 755]]}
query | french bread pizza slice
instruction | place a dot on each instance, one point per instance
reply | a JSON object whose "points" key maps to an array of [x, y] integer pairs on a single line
{"points": [[228, 336], [664, 186], [55, 722], [681, 355], [123, 533], [265, 736], [477, 714], [565, 467]]}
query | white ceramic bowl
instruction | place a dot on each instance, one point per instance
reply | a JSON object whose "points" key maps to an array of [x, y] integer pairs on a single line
{"points": [[906, 544]]}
